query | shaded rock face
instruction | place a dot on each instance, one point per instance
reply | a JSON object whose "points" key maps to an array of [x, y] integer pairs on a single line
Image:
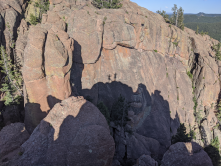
{"points": [[186, 154], [12, 114], [73, 133], [146, 160], [47, 62], [137, 145], [11, 138]]}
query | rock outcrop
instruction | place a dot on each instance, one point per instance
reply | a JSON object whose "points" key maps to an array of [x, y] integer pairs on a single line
{"points": [[47, 63], [11, 138], [73, 133], [181, 154], [146, 160]]}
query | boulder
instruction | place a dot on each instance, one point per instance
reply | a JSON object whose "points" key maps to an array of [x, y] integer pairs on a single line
{"points": [[146, 160], [137, 145], [12, 137], [182, 154], [73, 133]]}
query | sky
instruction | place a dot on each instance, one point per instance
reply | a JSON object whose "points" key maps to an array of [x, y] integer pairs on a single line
{"points": [[189, 6]]}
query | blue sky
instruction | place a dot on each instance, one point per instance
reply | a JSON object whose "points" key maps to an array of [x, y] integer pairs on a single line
{"points": [[189, 6]]}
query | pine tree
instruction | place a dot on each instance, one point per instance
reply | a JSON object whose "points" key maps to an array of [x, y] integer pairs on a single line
{"points": [[213, 151], [119, 112], [181, 135], [174, 16], [12, 82], [197, 30], [180, 18]]}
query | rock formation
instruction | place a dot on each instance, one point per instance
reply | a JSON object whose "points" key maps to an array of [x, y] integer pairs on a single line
{"points": [[168, 76], [73, 133], [11, 138], [186, 154], [47, 63]]}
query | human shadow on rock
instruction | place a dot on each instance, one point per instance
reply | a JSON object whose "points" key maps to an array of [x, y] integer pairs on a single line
{"points": [[149, 113]]}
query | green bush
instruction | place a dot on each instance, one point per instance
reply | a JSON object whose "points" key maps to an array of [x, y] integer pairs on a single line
{"points": [[109, 4], [216, 48], [190, 75], [33, 20], [175, 43], [192, 134], [195, 103], [181, 135], [43, 6], [155, 50], [213, 151]]}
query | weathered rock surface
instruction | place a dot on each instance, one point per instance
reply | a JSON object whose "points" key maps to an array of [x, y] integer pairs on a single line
{"points": [[12, 137], [10, 17], [73, 133], [47, 63], [137, 145], [181, 154], [146, 160]]}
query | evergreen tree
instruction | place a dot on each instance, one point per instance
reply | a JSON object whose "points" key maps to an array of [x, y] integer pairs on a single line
{"points": [[180, 18], [12, 82], [177, 17], [197, 30], [213, 151], [174, 16], [119, 112], [181, 135], [163, 13]]}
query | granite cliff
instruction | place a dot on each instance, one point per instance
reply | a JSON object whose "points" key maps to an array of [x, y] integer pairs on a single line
{"points": [[168, 76]]}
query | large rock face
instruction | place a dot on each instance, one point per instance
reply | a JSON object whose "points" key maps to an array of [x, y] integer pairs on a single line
{"points": [[181, 154], [106, 53], [146, 60], [73, 133]]}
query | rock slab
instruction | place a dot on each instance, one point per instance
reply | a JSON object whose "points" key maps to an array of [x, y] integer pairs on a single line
{"points": [[73, 133]]}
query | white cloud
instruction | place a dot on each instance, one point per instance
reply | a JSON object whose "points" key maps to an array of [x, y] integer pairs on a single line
{"points": [[166, 7]]}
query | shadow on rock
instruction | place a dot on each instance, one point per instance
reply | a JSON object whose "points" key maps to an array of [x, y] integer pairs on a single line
{"points": [[73, 133]]}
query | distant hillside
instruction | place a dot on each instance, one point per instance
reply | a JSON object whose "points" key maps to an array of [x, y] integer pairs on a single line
{"points": [[213, 29], [201, 19], [210, 23], [208, 15]]}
